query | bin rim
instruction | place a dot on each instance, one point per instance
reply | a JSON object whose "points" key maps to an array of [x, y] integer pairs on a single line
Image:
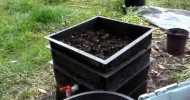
{"points": [[93, 57], [98, 92]]}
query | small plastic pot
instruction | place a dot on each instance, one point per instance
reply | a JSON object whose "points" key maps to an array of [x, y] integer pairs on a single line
{"points": [[176, 40], [133, 3]]}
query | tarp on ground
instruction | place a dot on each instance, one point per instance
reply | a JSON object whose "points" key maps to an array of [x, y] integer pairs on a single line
{"points": [[166, 18]]}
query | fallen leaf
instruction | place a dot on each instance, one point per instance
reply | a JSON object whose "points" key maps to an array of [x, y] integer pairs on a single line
{"points": [[161, 67], [43, 91], [158, 74], [153, 50], [155, 45], [146, 23], [153, 71], [187, 55], [14, 61]]}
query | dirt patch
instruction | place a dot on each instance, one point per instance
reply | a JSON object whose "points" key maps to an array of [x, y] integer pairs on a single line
{"points": [[166, 66], [99, 43], [50, 97]]}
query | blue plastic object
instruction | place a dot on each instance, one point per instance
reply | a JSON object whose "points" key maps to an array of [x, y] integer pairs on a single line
{"points": [[180, 91]]}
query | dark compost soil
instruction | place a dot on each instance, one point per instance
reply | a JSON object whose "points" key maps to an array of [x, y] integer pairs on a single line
{"points": [[99, 43]]}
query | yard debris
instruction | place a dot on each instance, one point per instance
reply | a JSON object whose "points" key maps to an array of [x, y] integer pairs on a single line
{"points": [[158, 74], [13, 61], [187, 55], [160, 66], [153, 71], [153, 50], [155, 45], [42, 91], [79, 6]]}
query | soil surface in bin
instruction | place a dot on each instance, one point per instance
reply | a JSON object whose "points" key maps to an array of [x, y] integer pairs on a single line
{"points": [[99, 42]]}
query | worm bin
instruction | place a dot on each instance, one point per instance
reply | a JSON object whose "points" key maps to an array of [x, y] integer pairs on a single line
{"points": [[134, 87], [101, 53]]}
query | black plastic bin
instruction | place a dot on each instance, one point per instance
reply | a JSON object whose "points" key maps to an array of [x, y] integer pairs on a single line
{"points": [[133, 87], [133, 3], [124, 72], [176, 40], [141, 36], [99, 95], [64, 80], [110, 81]]}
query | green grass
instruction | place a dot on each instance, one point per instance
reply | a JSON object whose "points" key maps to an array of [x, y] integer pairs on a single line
{"points": [[23, 25], [178, 4], [183, 76]]}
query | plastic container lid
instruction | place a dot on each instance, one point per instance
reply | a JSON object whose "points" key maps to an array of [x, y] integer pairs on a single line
{"points": [[175, 91]]}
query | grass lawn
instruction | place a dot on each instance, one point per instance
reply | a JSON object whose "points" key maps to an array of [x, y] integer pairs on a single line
{"points": [[178, 4], [23, 25]]}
